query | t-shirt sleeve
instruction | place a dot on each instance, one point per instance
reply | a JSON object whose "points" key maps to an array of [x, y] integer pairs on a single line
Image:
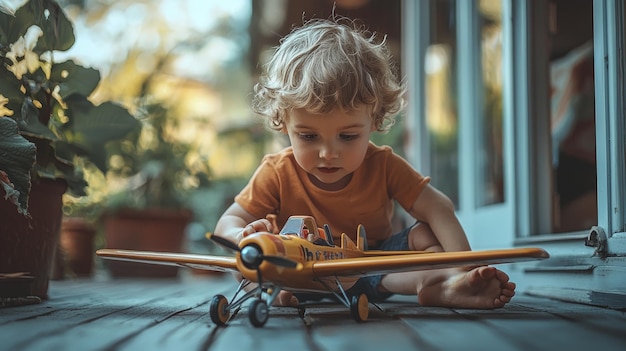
{"points": [[261, 195], [404, 183]]}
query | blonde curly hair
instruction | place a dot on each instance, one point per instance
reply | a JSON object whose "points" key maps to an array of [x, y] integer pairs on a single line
{"points": [[324, 65]]}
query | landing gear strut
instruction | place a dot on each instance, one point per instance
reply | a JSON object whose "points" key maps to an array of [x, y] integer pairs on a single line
{"points": [[358, 304]]}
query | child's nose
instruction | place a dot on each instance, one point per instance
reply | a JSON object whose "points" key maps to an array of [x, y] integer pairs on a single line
{"points": [[328, 151]]}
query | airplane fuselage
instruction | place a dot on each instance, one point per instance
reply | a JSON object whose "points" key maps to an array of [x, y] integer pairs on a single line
{"points": [[299, 250]]}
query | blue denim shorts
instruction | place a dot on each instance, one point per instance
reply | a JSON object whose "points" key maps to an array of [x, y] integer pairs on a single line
{"points": [[368, 285]]}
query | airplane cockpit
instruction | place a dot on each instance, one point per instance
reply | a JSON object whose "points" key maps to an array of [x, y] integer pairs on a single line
{"points": [[307, 230], [292, 228]]}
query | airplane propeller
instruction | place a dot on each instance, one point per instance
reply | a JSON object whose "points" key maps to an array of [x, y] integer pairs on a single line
{"points": [[252, 256], [225, 242]]}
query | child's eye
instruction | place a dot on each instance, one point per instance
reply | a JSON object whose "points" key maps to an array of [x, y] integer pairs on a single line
{"points": [[348, 137], [307, 136]]}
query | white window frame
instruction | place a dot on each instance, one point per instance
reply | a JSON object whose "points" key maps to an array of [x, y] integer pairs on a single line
{"points": [[610, 76], [493, 225]]}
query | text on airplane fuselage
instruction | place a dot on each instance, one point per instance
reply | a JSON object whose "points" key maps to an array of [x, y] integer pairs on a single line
{"points": [[319, 255]]}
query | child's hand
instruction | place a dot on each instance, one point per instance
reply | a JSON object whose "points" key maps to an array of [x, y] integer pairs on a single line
{"points": [[260, 225]]}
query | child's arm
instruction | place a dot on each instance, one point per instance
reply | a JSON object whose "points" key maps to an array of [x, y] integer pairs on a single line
{"points": [[437, 210], [236, 223]]}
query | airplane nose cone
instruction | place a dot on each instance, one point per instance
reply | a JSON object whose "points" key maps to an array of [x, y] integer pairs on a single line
{"points": [[251, 256]]}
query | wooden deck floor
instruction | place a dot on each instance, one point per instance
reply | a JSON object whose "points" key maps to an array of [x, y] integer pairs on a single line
{"points": [[163, 314]]}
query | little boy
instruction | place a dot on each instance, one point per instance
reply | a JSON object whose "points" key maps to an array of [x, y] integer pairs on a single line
{"points": [[328, 86]]}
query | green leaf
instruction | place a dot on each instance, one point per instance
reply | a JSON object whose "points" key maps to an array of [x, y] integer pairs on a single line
{"points": [[74, 79], [6, 23], [13, 27], [94, 126], [10, 85], [58, 32], [76, 183], [17, 157], [29, 123]]}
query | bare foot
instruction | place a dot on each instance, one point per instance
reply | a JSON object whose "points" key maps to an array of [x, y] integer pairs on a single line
{"points": [[482, 287], [285, 298]]}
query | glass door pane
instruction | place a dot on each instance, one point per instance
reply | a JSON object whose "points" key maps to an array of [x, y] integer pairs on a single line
{"points": [[464, 115], [482, 64], [441, 99], [490, 137], [572, 117]]}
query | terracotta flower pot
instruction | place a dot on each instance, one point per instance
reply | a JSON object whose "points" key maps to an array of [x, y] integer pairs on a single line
{"points": [[148, 230], [27, 244], [77, 246]]}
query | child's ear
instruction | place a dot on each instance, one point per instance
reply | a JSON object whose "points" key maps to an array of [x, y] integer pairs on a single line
{"points": [[283, 129]]}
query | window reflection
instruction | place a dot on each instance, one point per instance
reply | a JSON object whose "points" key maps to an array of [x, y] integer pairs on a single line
{"points": [[572, 115], [442, 108], [441, 104], [490, 141]]}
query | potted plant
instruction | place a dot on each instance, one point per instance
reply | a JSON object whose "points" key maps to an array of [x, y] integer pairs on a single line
{"points": [[81, 229], [152, 210], [75, 253], [49, 103]]}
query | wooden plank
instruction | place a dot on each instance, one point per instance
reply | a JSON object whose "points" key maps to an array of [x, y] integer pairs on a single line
{"points": [[527, 327], [598, 320], [284, 330], [82, 326], [187, 330], [332, 327], [443, 329], [68, 294], [376, 334], [613, 300], [101, 321]]}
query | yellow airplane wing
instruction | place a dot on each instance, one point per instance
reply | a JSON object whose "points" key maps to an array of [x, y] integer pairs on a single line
{"points": [[205, 262], [364, 266]]}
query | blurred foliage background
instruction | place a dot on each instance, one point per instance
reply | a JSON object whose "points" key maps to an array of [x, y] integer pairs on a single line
{"points": [[186, 68], [182, 67]]}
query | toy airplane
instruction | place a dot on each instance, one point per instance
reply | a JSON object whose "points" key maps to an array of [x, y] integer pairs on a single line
{"points": [[304, 258]]}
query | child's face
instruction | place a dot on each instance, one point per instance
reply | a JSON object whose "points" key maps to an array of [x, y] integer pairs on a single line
{"points": [[329, 146]]}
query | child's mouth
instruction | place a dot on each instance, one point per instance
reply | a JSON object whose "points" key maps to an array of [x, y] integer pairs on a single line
{"points": [[328, 169]]}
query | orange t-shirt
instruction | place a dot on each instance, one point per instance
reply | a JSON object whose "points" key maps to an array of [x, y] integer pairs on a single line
{"points": [[281, 187]]}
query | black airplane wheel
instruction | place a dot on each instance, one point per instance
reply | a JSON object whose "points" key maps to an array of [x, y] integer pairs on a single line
{"points": [[218, 311], [359, 308], [258, 313]]}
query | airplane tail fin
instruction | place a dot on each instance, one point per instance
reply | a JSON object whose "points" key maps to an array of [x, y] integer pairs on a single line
{"points": [[361, 238], [328, 235], [347, 243]]}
